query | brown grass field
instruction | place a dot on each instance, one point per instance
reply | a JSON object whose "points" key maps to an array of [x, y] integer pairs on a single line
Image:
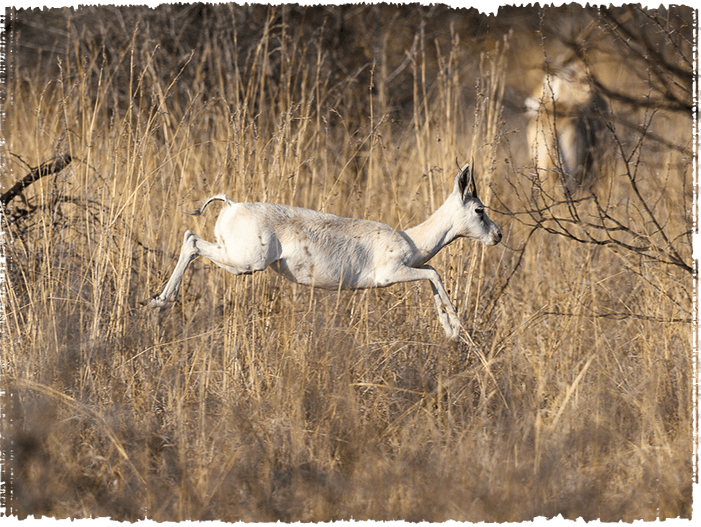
{"points": [[572, 389]]}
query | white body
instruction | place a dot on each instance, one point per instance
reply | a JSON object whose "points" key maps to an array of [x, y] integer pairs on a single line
{"points": [[566, 125], [323, 250]]}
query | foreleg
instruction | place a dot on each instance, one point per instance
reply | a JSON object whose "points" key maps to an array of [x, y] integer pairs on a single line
{"points": [[446, 313], [448, 318]]}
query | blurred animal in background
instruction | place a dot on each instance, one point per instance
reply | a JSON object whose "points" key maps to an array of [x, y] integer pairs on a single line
{"points": [[567, 125]]}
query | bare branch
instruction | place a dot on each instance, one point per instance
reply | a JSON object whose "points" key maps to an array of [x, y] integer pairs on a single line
{"points": [[50, 167]]}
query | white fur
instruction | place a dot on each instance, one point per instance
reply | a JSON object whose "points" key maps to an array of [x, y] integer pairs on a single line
{"points": [[323, 250]]}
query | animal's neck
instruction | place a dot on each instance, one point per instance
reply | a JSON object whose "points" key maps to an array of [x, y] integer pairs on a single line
{"points": [[432, 235]]}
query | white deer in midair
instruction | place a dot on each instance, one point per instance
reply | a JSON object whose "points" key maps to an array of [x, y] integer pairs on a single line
{"points": [[327, 251]]}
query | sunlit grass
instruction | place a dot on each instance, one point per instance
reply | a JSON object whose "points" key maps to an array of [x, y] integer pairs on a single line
{"points": [[256, 399]]}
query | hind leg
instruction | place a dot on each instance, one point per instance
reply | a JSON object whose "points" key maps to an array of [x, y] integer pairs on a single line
{"points": [[192, 246]]}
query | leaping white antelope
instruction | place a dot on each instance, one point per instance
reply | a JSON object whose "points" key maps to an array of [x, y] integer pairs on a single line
{"points": [[323, 250]]}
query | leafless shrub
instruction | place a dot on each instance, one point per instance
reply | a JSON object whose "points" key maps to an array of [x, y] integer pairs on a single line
{"points": [[615, 174]]}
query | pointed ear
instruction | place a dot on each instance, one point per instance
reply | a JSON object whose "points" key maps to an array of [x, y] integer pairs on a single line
{"points": [[473, 185], [465, 183]]}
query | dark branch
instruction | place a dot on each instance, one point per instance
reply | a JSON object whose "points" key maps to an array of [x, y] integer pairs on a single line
{"points": [[50, 167]]}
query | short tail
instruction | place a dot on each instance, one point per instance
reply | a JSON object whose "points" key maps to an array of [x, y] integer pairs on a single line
{"points": [[218, 197]]}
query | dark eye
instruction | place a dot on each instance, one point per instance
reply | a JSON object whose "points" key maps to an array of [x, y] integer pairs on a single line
{"points": [[479, 210]]}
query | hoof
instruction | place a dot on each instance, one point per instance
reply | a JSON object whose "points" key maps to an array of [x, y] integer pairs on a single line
{"points": [[157, 302]]}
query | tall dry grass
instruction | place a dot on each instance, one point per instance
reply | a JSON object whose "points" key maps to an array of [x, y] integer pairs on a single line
{"points": [[259, 400]]}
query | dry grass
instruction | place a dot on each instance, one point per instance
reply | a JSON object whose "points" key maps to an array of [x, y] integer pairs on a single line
{"points": [[255, 399]]}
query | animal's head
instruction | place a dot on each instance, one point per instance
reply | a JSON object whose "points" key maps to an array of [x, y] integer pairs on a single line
{"points": [[566, 89], [471, 219]]}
